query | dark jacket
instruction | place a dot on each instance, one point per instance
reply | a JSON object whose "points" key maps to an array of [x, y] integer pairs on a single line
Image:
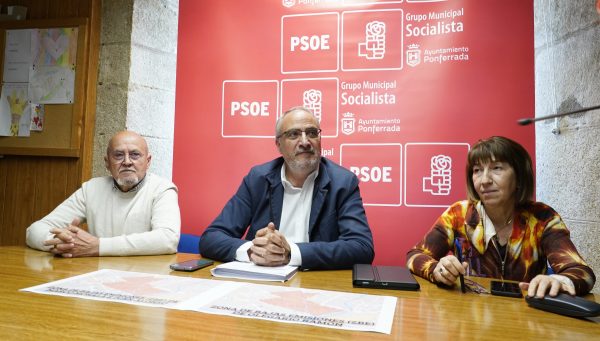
{"points": [[339, 233]]}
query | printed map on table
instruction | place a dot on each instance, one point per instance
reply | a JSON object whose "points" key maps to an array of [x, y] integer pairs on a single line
{"points": [[307, 306], [322, 308], [127, 287]]}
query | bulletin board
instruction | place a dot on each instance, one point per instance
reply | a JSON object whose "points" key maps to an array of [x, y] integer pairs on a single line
{"points": [[62, 131]]}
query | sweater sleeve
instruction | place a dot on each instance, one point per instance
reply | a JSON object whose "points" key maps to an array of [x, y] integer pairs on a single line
{"points": [[563, 256], [423, 257], [162, 236], [61, 217]]}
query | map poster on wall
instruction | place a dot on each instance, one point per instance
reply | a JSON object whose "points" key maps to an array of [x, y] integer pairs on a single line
{"points": [[402, 90]]}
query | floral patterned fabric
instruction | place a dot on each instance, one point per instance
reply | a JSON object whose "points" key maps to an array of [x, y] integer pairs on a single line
{"points": [[539, 237]]}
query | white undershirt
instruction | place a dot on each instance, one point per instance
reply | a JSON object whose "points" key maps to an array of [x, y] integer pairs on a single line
{"points": [[295, 213]]}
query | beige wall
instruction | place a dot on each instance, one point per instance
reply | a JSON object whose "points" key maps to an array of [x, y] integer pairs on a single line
{"points": [[136, 78], [567, 69]]}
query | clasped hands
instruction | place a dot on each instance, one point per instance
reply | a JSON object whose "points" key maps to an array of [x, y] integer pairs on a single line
{"points": [[449, 268], [269, 247], [72, 241]]}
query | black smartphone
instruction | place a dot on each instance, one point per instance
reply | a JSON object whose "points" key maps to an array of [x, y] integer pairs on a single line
{"points": [[506, 289], [191, 265]]}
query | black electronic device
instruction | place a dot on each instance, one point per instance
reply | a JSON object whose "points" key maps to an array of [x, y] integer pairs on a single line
{"points": [[191, 265], [565, 304], [383, 277], [510, 289]]}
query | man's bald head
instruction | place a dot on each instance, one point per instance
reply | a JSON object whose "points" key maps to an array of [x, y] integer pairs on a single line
{"points": [[127, 135]]}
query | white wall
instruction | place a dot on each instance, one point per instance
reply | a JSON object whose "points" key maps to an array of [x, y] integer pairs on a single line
{"points": [[136, 90], [567, 77]]}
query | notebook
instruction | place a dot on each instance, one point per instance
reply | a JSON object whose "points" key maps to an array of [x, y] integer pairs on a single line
{"points": [[245, 270], [383, 277]]}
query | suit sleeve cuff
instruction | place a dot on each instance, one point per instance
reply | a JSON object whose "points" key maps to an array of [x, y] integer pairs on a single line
{"points": [[295, 256], [241, 254]]}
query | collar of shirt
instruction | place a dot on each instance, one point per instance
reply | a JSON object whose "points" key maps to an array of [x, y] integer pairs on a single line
{"points": [[489, 231], [133, 189]]}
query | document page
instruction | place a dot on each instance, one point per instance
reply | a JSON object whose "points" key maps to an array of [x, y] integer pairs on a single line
{"points": [[331, 309]]}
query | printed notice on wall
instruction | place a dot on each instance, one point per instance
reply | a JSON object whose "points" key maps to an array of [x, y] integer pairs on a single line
{"points": [[17, 56]]}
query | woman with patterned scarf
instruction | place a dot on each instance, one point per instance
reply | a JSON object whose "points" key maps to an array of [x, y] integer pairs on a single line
{"points": [[502, 233]]}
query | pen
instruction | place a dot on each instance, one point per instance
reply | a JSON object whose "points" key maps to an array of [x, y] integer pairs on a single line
{"points": [[458, 254]]}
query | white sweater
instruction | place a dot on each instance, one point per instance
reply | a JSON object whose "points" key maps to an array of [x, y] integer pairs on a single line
{"points": [[141, 222]]}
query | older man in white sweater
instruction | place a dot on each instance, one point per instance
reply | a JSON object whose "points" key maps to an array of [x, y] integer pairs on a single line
{"points": [[131, 213]]}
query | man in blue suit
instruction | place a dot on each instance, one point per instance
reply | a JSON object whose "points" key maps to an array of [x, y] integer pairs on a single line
{"points": [[299, 209]]}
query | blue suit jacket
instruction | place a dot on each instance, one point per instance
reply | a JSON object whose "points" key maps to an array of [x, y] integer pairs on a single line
{"points": [[339, 233]]}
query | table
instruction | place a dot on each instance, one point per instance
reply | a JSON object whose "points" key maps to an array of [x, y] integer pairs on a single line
{"points": [[431, 313]]}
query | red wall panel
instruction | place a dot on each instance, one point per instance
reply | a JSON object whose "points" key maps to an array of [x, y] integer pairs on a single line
{"points": [[402, 89]]}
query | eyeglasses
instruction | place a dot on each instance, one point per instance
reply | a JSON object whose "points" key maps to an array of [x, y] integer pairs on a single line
{"points": [[120, 156], [294, 134]]}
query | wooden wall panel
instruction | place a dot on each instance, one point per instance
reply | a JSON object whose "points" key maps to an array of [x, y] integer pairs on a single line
{"points": [[3, 170], [51, 9], [68, 8], [73, 174], [31, 186], [8, 232], [50, 184], [21, 190]]}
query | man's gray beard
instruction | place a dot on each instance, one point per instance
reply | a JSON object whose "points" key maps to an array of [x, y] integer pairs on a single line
{"points": [[129, 181], [305, 165]]}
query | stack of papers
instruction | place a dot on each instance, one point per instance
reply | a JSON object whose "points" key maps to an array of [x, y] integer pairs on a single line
{"points": [[252, 271]]}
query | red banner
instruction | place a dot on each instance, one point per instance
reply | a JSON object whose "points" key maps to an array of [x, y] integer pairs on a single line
{"points": [[401, 89]]}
